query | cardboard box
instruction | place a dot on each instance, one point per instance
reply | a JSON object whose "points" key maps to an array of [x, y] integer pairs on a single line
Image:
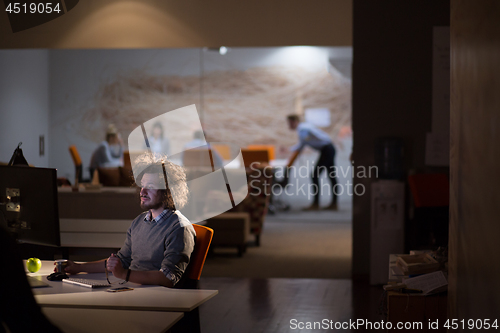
{"points": [[417, 308], [417, 264]]}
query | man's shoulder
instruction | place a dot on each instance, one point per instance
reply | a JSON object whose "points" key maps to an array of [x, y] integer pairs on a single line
{"points": [[182, 223], [181, 220], [304, 126], [103, 145]]}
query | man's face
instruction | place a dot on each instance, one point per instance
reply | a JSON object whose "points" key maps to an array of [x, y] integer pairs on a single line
{"points": [[292, 124], [150, 195]]}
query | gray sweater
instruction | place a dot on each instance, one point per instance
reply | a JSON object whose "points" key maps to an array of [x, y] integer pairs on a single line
{"points": [[165, 245]]}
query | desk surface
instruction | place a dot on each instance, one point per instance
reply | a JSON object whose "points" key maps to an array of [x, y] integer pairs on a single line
{"points": [[151, 298], [58, 287], [140, 299], [93, 320]]}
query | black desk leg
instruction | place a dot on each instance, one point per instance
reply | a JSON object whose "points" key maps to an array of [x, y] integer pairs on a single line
{"points": [[189, 323]]}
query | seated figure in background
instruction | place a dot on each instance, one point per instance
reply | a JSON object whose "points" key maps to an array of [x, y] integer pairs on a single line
{"points": [[160, 241], [109, 153], [158, 142]]}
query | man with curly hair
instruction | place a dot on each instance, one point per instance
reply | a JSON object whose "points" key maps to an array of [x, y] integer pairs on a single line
{"points": [[160, 241]]}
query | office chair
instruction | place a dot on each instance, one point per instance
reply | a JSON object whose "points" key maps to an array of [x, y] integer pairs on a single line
{"points": [[191, 320], [203, 239], [431, 198], [258, 156], [223, 150], [78, 164], [269, 148]]}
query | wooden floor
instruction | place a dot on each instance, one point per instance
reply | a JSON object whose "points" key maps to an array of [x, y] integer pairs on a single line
{"points": [[268, 305]]}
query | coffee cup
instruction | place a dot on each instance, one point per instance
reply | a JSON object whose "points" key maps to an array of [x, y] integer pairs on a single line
{"points": [[61, 265]]}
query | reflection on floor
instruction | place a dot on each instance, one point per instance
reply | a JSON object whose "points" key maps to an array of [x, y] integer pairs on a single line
{"points": [[246, 305], [293, 245]]}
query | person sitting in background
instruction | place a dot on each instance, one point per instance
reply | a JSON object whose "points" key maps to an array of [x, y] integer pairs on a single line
{"points": [[157, 141], [160, 241], [109, 153]]}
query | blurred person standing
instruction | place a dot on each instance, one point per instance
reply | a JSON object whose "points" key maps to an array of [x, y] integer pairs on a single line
{"points": [[318, 140]]}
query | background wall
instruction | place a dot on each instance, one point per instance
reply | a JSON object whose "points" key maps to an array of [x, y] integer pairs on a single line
{"points": [[392, 92], [189, 23], [247, 94], [475, 159], [24, 104]]}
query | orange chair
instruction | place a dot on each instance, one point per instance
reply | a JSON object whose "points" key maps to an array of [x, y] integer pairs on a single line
{"points": [[258, 156], [191, 320], [269, 148], [223, 150], [203, 239], [78, 163]]}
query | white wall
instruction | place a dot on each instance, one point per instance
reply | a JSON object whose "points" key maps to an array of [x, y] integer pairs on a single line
{"points": [[76, 84], [24, 104], [34, 103], [91, 88]]}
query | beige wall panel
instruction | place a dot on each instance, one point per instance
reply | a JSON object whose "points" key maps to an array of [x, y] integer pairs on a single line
{"points": [[191, 23]]}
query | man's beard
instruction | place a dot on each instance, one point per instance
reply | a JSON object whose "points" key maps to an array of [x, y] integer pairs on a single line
{"points": [[154, 205]]}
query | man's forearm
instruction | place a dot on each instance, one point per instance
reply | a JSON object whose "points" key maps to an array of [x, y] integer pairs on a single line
{"points": [[148, 277]]}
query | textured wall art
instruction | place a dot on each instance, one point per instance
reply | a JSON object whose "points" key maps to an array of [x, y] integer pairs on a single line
{"points": [[242, 97]]}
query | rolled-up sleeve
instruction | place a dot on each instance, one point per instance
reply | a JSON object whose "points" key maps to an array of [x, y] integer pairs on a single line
{"points": [[178, 248]]}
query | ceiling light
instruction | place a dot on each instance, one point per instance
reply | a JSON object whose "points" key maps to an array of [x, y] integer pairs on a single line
{"points": [[223, 50]]}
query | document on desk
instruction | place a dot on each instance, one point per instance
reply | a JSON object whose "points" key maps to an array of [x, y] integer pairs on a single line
{"points": [[427, 282]]}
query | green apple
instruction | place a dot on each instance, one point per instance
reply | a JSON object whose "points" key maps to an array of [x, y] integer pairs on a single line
{"points": [[33, 265]]}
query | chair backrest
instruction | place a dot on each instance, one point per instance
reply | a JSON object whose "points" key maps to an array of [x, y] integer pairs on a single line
{"points": [[430, 190], [223, 150], [126, 160], [203, 240], [254, 155], [78, 163], [269, 148], [196, 158], [75, 155]]}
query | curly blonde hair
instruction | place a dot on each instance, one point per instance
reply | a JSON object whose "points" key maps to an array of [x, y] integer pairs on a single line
{"points": [[176, 192]]}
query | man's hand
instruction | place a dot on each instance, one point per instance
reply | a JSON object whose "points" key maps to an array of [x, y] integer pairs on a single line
{"points": [[72, 268], [114, 265], [283, 150]]}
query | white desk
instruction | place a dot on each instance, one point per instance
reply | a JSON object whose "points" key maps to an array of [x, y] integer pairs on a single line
{"points": [[142, 298], [92, 320], [139, 299], [58, 287]]}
